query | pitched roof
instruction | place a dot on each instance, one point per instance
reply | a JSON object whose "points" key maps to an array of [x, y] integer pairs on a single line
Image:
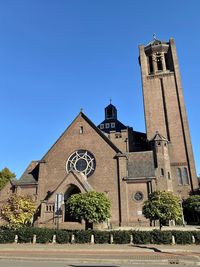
{"points": [[159, 137], [101, 134], [140, 164], [30, 176]]}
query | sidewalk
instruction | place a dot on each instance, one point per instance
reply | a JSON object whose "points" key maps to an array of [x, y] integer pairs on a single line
{"points": [[85, 253]]}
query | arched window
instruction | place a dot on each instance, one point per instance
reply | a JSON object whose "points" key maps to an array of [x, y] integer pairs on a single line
{"points": [[179, 173], [162, 172], [185, 176]]}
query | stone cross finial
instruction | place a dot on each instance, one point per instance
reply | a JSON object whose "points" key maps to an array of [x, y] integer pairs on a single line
{"points": [[154, 36]]}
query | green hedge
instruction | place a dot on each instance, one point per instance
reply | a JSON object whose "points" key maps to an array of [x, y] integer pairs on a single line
{"points": [[141, 237], [161, 237], [7, 236], [182, 237], [45, 235], [101, 237]]}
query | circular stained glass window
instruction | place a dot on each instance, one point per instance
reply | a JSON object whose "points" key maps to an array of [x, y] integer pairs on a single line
{"points": [[81, 161], [138, 196]]}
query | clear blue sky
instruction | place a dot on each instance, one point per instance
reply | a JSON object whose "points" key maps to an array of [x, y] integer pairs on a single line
{"points": [[59, 56]]}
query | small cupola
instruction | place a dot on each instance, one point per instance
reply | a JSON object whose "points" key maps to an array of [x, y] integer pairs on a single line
{"points": [[110, 112]]}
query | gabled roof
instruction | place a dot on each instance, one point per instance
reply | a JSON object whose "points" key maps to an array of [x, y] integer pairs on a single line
{"points": [[30, 176], [93, 126], [72, 177], [159, 137]]}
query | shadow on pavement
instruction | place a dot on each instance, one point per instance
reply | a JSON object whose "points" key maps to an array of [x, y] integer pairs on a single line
{"points": [[150, 248], [93, 265]]}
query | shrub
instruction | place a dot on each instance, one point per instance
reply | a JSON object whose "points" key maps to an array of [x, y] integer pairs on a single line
{"points": [[62, 236], [141, 237], [44, 235], [161, 237], [196, 235], [121, 237], [25, 235], [7, 236], [82, 236], [101, 237], [182, 237]]}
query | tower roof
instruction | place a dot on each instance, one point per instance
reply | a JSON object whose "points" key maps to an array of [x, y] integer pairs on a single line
{"points": [[111, 122]]}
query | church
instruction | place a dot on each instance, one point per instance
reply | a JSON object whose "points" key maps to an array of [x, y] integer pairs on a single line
{"points": [[115, 159]]}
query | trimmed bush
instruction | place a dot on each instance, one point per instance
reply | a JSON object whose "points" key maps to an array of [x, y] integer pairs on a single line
{"points": [[141, 237], [62, 236], [7, 236], [25, 235], [44, 235], [121, 237], [82, 236], [196, 235], [161, 237], [182, 237], [101, 237]]}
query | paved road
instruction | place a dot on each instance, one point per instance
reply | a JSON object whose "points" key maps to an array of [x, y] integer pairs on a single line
{"points": [[98, 255], [39, 263]]}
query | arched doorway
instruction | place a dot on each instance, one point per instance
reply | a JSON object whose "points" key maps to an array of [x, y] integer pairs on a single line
{"points": [[72, 190]]}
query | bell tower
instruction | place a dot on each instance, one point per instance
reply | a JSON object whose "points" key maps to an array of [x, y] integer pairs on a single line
{"points": [[165, 110]]}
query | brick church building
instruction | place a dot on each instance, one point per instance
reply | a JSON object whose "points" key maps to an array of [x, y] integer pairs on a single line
{"points": [[125, 164]]}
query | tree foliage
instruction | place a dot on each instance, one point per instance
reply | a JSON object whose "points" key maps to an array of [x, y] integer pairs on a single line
{"points": [[18, 211], [93, 207], [192, 205], [5, 176], [162, 206]]}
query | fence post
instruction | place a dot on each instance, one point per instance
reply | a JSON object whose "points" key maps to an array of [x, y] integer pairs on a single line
{"points": [[72, 239], [34, 239], [92, 239], [131, 239], [111, 239], [54, 239], [16, 239], [193, 239], [173, 240]]}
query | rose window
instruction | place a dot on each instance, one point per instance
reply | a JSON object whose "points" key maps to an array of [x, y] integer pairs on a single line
{"points": [[81, 161]]}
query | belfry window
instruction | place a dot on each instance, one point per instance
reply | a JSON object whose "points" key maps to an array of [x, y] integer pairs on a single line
{"points": [[159, 62], [150, 65], [167, 62]]}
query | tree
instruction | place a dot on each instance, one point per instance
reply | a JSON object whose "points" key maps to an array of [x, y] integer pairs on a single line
{"points": [[93, 207], [18, 211], [5, 176], [192, 207], [162, 206]]}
